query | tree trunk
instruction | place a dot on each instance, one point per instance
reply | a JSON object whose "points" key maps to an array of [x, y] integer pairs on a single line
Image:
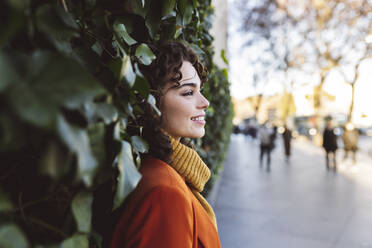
{"points": [[351, 108], [258, 106], [352, 84], [318, 99]]}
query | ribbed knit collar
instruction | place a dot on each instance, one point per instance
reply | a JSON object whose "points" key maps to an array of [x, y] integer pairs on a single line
{"points": [[196, 173], [189, 165]]}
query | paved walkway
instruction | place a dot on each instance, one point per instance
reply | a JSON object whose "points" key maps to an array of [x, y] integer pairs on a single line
{"points": [[296, 205]]}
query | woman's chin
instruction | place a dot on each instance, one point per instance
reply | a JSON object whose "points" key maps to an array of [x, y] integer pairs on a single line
{"points": [[197, 135]]}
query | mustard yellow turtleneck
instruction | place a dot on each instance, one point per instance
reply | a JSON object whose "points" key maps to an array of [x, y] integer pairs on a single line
{"points": [[196, 173]]}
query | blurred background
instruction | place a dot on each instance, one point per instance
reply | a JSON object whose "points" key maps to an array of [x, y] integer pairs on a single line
{"points": [[300, 62], [296, 67]]}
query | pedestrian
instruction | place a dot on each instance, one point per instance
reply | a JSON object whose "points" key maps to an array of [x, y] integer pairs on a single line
{"points": [[350, 139], [273, 136], [330, 145], [166, 208], [265, 135], [252, 131], [287, 137]]}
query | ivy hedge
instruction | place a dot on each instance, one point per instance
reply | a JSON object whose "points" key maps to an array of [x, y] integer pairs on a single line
{"points": [[70, 90]]}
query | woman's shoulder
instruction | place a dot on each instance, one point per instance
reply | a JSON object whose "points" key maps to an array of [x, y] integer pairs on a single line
{"points": [[158, 175], [159, 205]]}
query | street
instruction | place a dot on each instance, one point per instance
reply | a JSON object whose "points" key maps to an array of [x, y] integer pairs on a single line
{"points": [[365, 144], [295, 204]]}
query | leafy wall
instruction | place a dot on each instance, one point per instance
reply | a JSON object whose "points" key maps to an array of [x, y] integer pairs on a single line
{"points": [[70, 90]]}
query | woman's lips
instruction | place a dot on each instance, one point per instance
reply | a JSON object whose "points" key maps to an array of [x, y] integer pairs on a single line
{"points": [[198, 119]]}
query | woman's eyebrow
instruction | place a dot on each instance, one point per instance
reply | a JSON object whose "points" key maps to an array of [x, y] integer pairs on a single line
{"points": [[194, 85]]}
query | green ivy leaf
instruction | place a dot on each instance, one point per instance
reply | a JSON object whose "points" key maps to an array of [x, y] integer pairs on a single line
{"points": [[49, 22], [178, 33], [139, 7], [97, 48], [117, 128], [168, 30], [171, 14], [144, 54], [188, 15], [77, 140], [58, 25], [152, 101], [142, 86], [12, 237], [48, 81], [51, 163], [167, 6], [197, 49], [12, 133], [96, 133], [126, 71], [153, 18], [128, 177], [130, 23], [137, 110], [105, 112], [15, 22], [195, 3], [181, 6], [8, 73], [46, 246], [19, 4], [123, 70], [139, 145], [223, 56], [115, 67], [120, 30], [76, 241], [128, 109], [67, 17], [123, 122], [5, 204], [82, 209], [186, 10]]}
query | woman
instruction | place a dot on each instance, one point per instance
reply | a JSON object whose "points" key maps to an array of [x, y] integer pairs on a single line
{"points": [[166, 209]]}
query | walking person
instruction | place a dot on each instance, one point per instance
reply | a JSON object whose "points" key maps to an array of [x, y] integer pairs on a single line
{"points": [[350, 139], [274, 131], [166, 208], [265, 135], [330, 145], [287, 137]]}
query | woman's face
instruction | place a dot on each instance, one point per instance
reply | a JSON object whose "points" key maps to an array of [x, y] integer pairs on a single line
{"points": [[183, 106]]}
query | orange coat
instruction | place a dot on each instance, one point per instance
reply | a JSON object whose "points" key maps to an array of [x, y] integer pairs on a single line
{"points": [[163, 212]]}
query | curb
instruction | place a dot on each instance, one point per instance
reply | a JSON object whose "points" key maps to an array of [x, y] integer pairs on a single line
{"points": [[212, 197]]}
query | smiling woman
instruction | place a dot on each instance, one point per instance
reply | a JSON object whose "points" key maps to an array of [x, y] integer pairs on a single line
{"points": [[183, 105], [166, 209]]}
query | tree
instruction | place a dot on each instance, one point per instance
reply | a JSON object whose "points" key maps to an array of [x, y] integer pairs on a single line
{"points": [[269, 27], [337, 31], [324, 34]]}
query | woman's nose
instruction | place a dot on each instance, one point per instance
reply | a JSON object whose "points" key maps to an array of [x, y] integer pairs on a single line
{"points": [[203, 102]]}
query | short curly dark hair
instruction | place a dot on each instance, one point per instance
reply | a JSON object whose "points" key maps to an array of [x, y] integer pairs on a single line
{"points": [[165, 68]]}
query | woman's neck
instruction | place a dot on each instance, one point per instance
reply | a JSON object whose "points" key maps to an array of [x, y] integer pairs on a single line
{"points": [[178, 139]]}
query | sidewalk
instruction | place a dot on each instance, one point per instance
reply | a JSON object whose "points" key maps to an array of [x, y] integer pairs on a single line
{"points": [[299, 204]]}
